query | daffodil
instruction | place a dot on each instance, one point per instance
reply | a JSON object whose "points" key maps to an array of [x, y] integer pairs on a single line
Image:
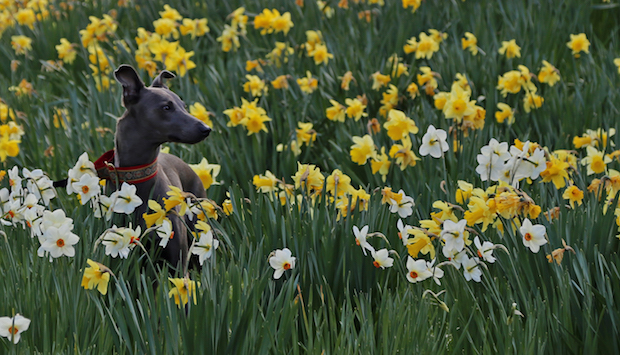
{"points": [[533, 235], [578, 43], [417, 270], [200, 112], [574, 195], [505, 113], [183, 290], [382, 258], [360, 239], [280, 261], [96, 275], [337, 112], [308, 84], [399, 125], [125, 200], [510, 49], [206, 172], [363, 149], [434, 142], [205, 246], [595, 161], [11, 328], [21, 44], [470, 42], [355, 109], [548, 74], [471, 270]]}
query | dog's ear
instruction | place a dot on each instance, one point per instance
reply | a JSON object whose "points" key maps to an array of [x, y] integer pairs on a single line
{"points": [[158, 82], [132, 84]]}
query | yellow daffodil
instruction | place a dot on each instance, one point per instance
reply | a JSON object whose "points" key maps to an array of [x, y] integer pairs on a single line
{"points": [[578, 43], [96, 275]]}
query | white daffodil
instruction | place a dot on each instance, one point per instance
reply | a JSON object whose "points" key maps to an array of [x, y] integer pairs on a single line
{"points": [[456, 257], [435, 271], [434, 142], [11, 328], [404, 208], [485, 250], [125, 200], [360, 239], [60, 241], [490, 167], [382, 258], [120, 241], [533, 235], [40, 185], [417, 270], [165, 232], [87, 187], [453, 234], [280, 261], [15, 181], [496, 148], [102, 207], [403, 233], [471, 270], [82, 166], [205, 246]]}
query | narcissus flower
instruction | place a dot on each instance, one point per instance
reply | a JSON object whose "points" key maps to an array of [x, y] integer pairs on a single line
{"points": [[578, 43], [485, 250], [434, 142], [533, 235], [337, 112], [255, 86], [617, 63], [399, 125], [454, 234], [206, 172], [346, 80], [125, 200], [280, 261], [21, 44], [200, 112], [510, 49], [382, 258], [471, 270], [470, 42], [308, 84], [379, 80], [320, 54], [532, 101], [596, 161], [417, 270], [205, 246], [11, 328], [360, 239], [363, 149], [281, 82], [183, 290], [505, 113], [548, 74], [96, 275], [427, 46], [574, 195], [355, 109]]}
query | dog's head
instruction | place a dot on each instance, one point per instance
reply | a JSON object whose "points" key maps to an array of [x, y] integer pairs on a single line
{"points": [[158, 110]]}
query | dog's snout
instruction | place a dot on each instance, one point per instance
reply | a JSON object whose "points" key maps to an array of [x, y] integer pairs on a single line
{"points": [[205, 130]]}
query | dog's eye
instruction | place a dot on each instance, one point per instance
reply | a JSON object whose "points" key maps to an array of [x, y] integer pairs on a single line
{"points": [[166, 108]]}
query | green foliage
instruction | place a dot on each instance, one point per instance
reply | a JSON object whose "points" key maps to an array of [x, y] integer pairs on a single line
{"points": [[334, 300]]}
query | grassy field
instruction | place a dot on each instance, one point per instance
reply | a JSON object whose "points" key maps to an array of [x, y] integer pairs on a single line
{"points": [[443, 173]]}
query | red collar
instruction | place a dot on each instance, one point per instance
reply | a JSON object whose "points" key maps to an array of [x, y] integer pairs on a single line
{"points": [[130, 174]]}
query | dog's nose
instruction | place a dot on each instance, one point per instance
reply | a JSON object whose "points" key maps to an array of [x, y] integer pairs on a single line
{"points": [[205, 130]]}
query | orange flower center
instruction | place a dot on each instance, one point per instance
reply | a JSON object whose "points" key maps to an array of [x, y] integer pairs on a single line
{"points": [[85, 189], [413, 274], [479, 253], [376, 264], [13, 330], [357, 241], [60, 243], [286, 266], [527, 236]]}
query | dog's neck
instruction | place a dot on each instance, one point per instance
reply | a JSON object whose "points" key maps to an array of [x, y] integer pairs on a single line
{"points": [[132, 145]]}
